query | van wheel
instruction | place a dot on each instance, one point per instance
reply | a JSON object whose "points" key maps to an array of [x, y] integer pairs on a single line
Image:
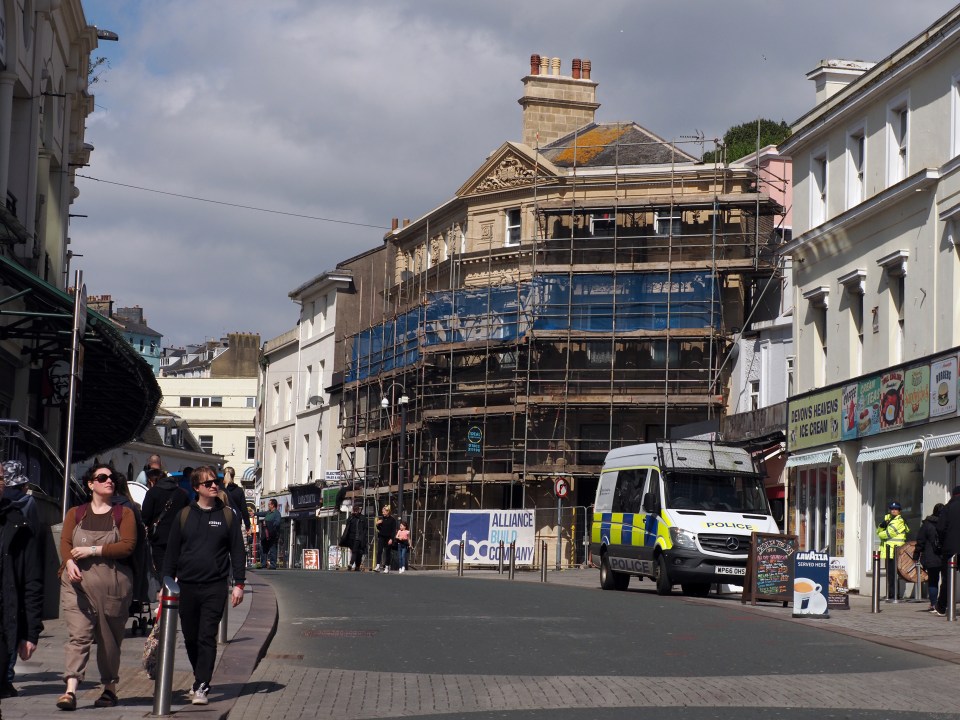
{"points": [[621, 581], [607, 578], [664, 586], [696, 589]]}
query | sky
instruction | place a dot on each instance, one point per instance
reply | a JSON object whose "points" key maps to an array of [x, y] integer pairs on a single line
{"points": [[244, 147]]}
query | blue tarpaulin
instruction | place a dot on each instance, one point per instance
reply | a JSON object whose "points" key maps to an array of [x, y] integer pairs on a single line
{"points": [[601, 303]]}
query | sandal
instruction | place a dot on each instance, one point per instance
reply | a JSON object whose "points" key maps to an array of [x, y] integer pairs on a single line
{"points": [[107, 699], [67, 701]]}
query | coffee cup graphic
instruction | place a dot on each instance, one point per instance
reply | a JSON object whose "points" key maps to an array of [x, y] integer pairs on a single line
{"points": [[806, 587]]}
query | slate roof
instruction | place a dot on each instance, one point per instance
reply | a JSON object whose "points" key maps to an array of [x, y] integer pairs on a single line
{"points": [[608, 144]]}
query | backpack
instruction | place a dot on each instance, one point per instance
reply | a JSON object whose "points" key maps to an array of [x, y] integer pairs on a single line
{"points": [[81, 510]]}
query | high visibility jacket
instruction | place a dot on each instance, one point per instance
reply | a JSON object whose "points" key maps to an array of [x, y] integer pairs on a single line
{"points": [[892, 533]]}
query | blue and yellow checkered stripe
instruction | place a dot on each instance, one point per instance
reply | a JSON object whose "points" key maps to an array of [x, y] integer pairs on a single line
{"points": [[636, 529]]}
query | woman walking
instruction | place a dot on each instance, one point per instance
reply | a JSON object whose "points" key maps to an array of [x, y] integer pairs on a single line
{"points": [[96, 585]]}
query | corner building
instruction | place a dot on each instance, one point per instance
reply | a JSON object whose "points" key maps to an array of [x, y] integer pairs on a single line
{"points": [[580, 291]]}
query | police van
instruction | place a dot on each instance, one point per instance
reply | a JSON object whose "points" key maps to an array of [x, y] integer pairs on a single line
{"points": [[678, 512]]}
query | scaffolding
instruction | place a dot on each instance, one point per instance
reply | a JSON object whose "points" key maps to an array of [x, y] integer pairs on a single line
{"points": [[606, 322]]}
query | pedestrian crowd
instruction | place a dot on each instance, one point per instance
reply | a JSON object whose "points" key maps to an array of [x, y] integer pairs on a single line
{"points": [[392, 540], [114, 554]]}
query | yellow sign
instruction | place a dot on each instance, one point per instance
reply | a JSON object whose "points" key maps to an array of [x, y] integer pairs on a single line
{"points": [[813, 420]]}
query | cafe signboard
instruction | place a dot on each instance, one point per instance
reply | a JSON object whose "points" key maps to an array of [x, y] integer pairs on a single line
{"points": [[814, 420]]}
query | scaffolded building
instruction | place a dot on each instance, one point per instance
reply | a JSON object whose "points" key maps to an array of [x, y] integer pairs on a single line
{"points": [[580, 291]]}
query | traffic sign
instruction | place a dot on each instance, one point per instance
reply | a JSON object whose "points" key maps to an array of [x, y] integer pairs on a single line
{"points": [[561, 487]]}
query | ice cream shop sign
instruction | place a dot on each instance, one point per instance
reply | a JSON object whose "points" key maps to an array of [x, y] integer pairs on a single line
{"points": [[891, 400], [814, 420]]}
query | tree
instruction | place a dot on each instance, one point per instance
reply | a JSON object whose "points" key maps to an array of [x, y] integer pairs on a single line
{"points": [[741, 140]]}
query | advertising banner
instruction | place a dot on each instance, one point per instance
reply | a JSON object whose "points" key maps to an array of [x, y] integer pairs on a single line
{"points": [[943, 387], [848, 404], [868, 407], [916, 394], [483, 530], [891, 400], [811, 584], [815, 420]]}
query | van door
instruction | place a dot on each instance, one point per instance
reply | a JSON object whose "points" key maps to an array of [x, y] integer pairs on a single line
{"points": [[626, 526], [651, 521]]}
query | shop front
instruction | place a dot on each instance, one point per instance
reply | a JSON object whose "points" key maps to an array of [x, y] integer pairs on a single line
{"points": [[856, 447], [304, 527]]}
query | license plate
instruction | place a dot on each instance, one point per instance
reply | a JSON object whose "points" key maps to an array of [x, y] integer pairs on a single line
{"points": [[723, 570]]}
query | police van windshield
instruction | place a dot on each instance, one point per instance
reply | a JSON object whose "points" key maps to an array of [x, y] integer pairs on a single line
{"points": [[723, 493]]}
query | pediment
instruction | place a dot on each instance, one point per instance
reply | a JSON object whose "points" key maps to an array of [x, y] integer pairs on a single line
{"points": [[512, 165]]}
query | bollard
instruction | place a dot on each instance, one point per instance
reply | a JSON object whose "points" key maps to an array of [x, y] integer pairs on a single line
{"points": [[460, 560], [952, 589], [222, 628], [513, 558], [543, 561], [163, 685], [917, 585], [875, 605], [500, 560]]}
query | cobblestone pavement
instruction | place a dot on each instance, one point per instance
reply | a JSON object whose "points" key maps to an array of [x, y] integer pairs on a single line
{"points": [[280, 686]]}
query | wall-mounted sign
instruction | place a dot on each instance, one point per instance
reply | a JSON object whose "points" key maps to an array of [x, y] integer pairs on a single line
{"points": [[474, 441], [814, 420], [868, 407], [916, 394], [891, 400], [943, 387]]}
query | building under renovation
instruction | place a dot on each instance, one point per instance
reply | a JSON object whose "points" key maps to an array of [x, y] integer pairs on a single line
{"points": [[581, 291]]}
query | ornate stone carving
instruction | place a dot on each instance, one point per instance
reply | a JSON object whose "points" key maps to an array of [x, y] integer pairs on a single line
{"points": [[511, 172]]}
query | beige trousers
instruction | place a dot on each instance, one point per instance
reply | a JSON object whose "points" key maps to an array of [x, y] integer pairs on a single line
{"points": [[96, 609]]}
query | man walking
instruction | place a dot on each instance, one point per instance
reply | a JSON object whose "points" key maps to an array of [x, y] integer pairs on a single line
{"points": [[161, 507], [205, 545], [892, 532], [355, 537], [270, 535], [153, 463], [237, 497]]}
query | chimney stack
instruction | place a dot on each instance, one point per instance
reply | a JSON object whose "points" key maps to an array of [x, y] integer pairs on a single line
{"points": [[555, 105], [832, 76]]}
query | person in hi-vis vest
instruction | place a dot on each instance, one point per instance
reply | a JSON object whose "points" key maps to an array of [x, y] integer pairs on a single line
{"points": [[892, 532]]}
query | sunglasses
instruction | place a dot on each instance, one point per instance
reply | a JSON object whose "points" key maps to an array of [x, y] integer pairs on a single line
{"points": [[103, 477], [208, 484]]}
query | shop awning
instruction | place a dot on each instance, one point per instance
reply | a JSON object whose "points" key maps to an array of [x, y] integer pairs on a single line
{"points": [[119, 394], [891, 452], [939, 442], [828, 456]]}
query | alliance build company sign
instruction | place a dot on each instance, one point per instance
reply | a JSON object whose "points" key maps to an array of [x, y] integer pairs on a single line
{"points": [[482, 531]]}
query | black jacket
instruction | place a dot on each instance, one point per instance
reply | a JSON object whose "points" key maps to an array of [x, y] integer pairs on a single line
{"points": [[21, 578], [206, 549], [239, 501], [928, 544], [387, 527], [948, 528], [156, 500], [355, 533]]}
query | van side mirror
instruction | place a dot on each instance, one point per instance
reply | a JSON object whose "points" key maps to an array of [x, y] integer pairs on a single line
{"points": [[650, 503]]}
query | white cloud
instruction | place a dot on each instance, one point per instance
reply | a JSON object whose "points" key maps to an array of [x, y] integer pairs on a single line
{"points": [[368, 110]]}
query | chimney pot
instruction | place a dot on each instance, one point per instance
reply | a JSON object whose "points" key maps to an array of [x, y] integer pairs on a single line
{"points": [[394, 223], [544, 65], [534, 64], [586, 69], [406, 221], [576, 68], [555, 67]]}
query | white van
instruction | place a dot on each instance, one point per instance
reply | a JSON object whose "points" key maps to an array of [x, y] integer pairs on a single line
{"points": [[679, 512]]}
